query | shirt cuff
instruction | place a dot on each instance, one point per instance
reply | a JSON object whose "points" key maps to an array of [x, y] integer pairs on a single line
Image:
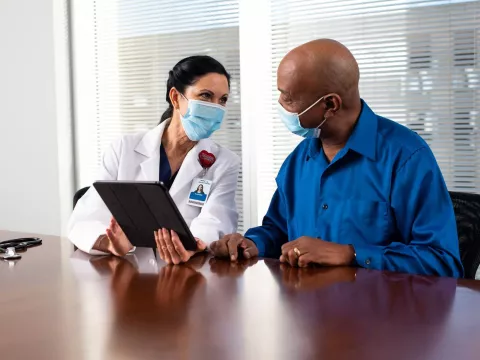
{"points": [[368, 256], [85, 235], [205, 233], [258, 243]]}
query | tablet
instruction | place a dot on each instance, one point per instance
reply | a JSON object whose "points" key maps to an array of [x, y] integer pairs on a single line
{"points": [[140, 208]]}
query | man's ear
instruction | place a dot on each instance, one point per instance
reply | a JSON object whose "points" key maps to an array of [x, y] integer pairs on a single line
{"points": [[333, 103]]}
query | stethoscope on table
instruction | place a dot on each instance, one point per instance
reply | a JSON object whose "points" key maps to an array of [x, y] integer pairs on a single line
{"points": [[9, 248]]}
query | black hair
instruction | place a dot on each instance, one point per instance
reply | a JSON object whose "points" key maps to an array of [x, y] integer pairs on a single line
{"points": [[187, 72]]}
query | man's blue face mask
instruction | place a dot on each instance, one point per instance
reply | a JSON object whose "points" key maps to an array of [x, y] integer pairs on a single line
{"points": [[292, 121], [202, 119]]}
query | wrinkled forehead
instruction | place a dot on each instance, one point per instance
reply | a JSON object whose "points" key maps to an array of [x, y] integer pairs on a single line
{"points": [[295, 78]]}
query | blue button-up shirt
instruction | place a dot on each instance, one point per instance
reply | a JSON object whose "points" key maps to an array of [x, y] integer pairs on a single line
{"points": [[383, 193]]}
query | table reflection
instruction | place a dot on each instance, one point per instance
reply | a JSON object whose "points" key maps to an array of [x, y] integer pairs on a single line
{"points": [[360, 313], [149, 302], [151, 311], [227, 268], [311, 277]]}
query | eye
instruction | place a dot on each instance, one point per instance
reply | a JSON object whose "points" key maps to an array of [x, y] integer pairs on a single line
{"points": [[206, 96], [223, 100], [286, 99]]}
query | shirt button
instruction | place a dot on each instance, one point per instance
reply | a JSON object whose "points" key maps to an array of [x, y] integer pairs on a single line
{"points": [[325, 207], [367, 262]]}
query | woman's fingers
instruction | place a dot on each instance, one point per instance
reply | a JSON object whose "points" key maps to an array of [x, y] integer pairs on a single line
{"points": [[163, 246], [178, 247], [159, 245], [110, 235], [113, 225], [170, 247], [201, 246]]}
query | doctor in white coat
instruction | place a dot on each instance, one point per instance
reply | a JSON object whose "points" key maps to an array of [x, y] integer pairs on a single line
{"points": [[197, 92]]}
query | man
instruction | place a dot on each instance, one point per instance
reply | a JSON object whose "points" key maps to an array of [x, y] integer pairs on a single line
{"points": [[359, 190]]}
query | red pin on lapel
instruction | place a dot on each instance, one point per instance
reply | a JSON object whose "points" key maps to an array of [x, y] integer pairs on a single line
{"points": [[206, 159]]}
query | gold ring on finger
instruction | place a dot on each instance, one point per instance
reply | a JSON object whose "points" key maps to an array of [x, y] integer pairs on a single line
{"points": [[297, 252]]}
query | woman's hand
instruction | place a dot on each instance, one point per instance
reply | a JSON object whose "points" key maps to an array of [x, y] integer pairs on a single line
{"points": [[171, 248], [118, 243]]}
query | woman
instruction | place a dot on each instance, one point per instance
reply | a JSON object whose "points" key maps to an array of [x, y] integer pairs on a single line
{"points": [[197, 92], [198, 194]]}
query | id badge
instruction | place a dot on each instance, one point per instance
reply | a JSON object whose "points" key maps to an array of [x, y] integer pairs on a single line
{"points": [[199, 192]]}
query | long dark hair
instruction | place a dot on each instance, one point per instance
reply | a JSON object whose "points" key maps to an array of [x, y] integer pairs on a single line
{"points": [[187, 72]]}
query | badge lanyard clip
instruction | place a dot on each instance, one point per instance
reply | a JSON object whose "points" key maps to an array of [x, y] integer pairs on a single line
{"points": [[206, 160]]}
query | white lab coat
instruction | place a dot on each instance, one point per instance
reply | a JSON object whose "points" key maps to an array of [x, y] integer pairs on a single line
{"points": [[137, 157]]}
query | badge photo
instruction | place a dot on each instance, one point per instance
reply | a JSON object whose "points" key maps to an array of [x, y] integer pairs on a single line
{"points": [[199, 192]]}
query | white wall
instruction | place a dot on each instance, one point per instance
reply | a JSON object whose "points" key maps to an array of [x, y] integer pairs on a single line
{"points": [[30, 165]]}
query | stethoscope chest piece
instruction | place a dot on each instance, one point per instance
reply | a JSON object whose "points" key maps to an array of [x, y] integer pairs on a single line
{"points": [[10, 254]]}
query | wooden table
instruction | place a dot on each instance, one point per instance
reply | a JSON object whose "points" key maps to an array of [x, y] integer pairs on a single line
{"points": [[54, 306]]}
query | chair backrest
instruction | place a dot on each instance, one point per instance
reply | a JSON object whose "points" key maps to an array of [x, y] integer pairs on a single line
{"points": [[79, 194], [467, 214]]}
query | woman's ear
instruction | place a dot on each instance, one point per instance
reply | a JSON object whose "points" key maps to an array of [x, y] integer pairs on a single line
{"points": [[174, 98]]}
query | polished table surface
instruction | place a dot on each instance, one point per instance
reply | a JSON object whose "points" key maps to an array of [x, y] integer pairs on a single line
{"points": [[58, 305]]}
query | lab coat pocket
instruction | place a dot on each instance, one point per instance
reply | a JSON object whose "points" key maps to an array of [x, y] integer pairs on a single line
{"points": [[365, 221]]}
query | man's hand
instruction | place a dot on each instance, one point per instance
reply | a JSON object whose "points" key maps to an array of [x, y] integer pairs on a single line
{"points": [[311, 250], [115, 241], [171, 249], [311, 278], [230, 245], [230, 268]]}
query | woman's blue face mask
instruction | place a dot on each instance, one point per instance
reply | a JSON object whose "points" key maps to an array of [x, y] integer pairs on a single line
{"points": [[202, 119], [292, 121]]}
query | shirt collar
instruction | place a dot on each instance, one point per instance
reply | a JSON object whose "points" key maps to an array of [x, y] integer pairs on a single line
{"points": [[363, 139]]}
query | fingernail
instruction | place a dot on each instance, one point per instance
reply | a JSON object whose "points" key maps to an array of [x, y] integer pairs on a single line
{"points": [[246, 254], [232, 257]]}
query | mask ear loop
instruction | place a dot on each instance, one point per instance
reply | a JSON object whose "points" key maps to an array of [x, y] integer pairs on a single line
{"points": [[311, 106], [182, 95], [188, 102], [318, 131]]}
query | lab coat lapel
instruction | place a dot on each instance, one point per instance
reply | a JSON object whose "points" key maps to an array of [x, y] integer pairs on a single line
{"points": [[190, 168], [149, 147]]}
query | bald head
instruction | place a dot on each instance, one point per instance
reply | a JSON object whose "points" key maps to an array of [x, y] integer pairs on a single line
{"points": [[320, 67]]}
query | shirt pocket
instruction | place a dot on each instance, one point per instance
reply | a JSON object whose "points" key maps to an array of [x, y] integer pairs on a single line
{"points": [[366, 222]]}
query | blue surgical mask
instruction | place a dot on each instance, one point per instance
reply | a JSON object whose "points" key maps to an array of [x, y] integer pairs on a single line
{"points": [[202, 119], [292, 121]]}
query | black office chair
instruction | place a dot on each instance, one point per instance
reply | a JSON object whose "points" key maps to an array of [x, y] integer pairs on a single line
{"points": [[79, 194], [467, 214]]}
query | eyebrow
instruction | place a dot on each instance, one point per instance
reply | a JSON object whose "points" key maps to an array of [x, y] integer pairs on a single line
{"points": [[283, 91], [212, 93]]}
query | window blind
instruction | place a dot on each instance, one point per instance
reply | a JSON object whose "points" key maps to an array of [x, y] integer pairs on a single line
{"points": [[419, 65], [123, 51]]}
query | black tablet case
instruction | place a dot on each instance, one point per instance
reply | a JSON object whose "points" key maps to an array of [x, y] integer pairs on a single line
{"points": [[140, 208]]}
